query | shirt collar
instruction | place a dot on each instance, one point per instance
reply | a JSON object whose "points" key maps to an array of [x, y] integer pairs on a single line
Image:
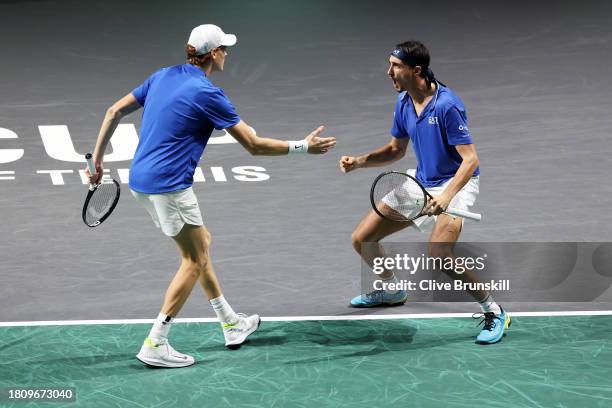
{"points": [[431, 105]]}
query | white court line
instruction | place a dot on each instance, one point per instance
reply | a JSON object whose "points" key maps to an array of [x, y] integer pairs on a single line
{"points": [[305, 318]]}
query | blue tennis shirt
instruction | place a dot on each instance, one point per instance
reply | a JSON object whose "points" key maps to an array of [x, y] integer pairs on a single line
{"points": [[441, 126], [181, 109]]}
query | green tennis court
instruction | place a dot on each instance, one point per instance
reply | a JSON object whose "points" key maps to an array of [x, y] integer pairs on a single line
{"points": [[543, 362]]}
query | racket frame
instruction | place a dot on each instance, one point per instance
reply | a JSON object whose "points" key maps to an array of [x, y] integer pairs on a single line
{"points": [[450, 210], [92, 189]]}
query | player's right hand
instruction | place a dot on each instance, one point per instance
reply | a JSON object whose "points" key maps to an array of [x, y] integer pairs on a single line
{"points": [[348, 163], [97, 177]]}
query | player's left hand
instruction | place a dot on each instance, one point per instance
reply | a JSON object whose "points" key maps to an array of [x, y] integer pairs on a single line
{"points": [[437, 205]]}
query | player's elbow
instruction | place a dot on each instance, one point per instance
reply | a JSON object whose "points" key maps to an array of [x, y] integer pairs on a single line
{"points": [[472, 160], [113, 113], [397, 153], [248, 142], [253, 147]]}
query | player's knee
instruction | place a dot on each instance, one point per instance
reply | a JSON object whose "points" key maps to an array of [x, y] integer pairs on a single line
{"points": [[207, 238], [196, 264], [197, 260], [356, 240]]}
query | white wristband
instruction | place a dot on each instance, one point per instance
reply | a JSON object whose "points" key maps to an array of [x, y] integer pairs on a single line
{"points": [[298, 146]]}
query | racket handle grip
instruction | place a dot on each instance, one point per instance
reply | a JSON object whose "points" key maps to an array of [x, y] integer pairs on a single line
{"points": [[90, 163], [92, 169], [463, 213]]}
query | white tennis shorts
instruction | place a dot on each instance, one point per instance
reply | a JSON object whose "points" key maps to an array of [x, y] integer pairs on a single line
{"points": [[463, 200], [171, 211]]}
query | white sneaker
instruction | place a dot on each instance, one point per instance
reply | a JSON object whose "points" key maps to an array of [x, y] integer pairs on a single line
{"points": [[236, 333], [162, 355]]}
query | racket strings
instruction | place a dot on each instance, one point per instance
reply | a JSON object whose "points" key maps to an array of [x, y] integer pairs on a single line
{"points": [[399, 197], [100, 202]]}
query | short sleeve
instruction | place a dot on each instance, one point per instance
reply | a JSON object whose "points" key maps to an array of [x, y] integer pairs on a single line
{"points": [[140, 93], [398, 129], [455, 124], [218, 109]]}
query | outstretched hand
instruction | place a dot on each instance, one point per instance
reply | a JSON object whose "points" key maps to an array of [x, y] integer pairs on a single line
{"points": [[319, 145]]}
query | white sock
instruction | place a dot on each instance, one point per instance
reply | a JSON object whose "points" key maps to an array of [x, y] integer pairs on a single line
{"points": [[390, 279], [488, 305], [224, 311], [161, 327]]}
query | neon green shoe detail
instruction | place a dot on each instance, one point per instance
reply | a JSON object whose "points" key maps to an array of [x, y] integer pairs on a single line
{"points": [[162, 355], [227, 326], [236, 333], [149, 342]]}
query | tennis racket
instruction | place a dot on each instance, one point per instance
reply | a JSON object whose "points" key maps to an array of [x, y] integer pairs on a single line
{"points": [[400, 197], [101, 198]]}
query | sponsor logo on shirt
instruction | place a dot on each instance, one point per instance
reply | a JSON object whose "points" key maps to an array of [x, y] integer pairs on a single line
{"points": [[433, 120], [464, 127]]}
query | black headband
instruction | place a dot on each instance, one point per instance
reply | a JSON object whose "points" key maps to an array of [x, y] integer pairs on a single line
{"points": [[404, 56], [409, 60]]}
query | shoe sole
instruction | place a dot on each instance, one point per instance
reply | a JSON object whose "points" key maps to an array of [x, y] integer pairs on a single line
{"points": [[384, 304], [161, 364], [236, 346]]}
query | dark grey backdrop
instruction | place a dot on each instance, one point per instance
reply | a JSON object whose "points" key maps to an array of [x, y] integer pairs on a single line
{"points": [[534, 77]]}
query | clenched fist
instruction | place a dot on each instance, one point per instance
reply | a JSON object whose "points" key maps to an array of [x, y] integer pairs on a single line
{"points": [[348, 163]]}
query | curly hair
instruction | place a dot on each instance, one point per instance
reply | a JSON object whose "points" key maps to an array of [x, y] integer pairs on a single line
{"points": [[195, 59]]}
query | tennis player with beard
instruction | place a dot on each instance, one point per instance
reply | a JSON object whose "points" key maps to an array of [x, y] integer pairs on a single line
{"points": [[431, 116], [181, 108]]}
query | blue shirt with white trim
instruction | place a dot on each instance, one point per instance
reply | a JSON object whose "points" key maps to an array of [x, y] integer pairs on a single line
{"points": [[181, 109], [441, 126]]}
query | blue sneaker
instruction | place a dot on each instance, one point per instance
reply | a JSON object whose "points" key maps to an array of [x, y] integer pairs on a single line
{"points": [[380, 298], [494, 327]]}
